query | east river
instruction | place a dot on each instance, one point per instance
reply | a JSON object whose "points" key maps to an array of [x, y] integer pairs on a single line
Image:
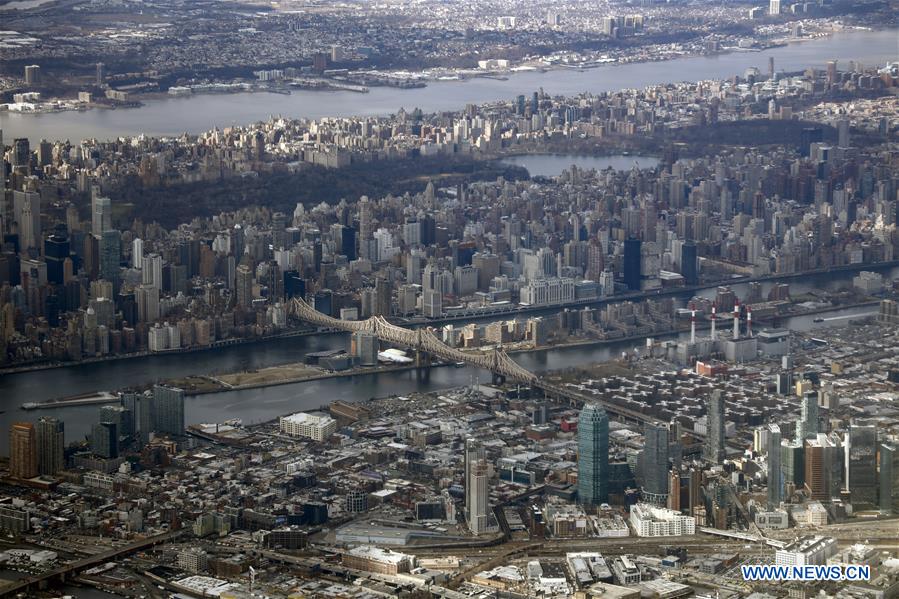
{"points": [[194, 114], [257, 405]]}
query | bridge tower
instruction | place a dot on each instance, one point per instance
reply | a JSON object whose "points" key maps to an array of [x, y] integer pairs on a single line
{"points": [[495, 370]]}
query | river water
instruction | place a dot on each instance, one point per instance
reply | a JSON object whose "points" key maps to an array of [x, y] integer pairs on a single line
{"points": [[255, 405], [194, 114]]}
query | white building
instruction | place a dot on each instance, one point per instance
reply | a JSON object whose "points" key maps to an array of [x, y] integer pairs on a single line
{"points": [[544, 292], [312, 426], [649, 521], [807, 551]]}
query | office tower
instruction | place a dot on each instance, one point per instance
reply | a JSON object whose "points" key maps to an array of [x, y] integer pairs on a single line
{"points": [[775, 472], [101, 215], [168, 410], [593, 455], [631, 264], [817, 467], [808, 422], [100, 74], [474, 452], [151, 270], [477, 493], [713, 450], [110, 256], [888, 477], [137, 253], [364, 345], [831, 72], [244, 283], [792, 458], [50, 440], [56, 250], [774, 7], [27, 213], [346, 242], [843, 133], [105, 440], [22, 451], [655, 464], [861, 465], [689, 263], [32, 75]]}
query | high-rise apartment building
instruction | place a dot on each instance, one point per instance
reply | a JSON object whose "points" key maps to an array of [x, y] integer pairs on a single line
{"points": [[593, 455], [22, 451], [713, 451], [168, 410], [50, 439]]}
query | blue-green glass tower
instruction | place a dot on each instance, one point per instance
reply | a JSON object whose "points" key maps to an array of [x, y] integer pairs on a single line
{"points": [[593, 455]]}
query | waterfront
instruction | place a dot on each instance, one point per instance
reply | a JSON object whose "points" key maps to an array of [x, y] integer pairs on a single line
{"points": [[255, 405], [194, 114], [551, 165]]}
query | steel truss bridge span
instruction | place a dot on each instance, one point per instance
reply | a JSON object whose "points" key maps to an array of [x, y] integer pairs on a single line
{"points": [[422, 340]]}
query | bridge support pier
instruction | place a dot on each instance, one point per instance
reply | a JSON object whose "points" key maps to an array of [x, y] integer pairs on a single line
{"points": [[499, 379]]}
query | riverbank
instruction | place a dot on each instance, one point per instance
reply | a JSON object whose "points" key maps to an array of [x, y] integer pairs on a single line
{"points": [[194, 115], [472, 316], [296, 373]]}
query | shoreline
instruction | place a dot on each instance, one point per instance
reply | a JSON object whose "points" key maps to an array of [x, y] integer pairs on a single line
{"points": [[463, 75], [109, 397], [416, 322]]}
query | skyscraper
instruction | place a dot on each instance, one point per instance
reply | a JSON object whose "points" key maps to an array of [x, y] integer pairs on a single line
{"points": [[888, 491], [244, 284], [774, 7], [50, 439], [474, 452], [27, 213], [713, 451], [476, 495], [775, 472], [101, 215], [861, 462], [689, 263], [110, 255], [105, 440], [631, 264], [593, 455], [655, 464], [807, 426], [168, 410], [22, 451]]}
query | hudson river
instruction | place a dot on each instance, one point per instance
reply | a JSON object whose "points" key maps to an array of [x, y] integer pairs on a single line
{"points": [[194, 114]]}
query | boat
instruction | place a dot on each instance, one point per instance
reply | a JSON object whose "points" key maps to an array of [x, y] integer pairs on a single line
{"points": [[818, 319]]}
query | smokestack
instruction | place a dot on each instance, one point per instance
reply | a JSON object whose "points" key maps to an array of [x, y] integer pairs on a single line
{"points": [[693, 326], [713, 323], [736, 320]]}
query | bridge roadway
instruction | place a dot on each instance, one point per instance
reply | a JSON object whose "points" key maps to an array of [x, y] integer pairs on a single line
{"points": [[31, 583], [422, 340]]}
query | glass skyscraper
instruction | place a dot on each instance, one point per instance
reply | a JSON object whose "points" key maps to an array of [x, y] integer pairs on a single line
{"points": [[655, 464], [593, 455]]}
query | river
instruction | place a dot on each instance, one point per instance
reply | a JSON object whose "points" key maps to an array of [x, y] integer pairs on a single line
{"points": [[255, 405], [194, 114]]}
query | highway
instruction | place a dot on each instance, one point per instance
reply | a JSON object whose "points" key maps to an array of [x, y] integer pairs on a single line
{"points": [[61, 573]]}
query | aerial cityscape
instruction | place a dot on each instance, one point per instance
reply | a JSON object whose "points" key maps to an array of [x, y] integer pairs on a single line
{"points": [[462, 299]]}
